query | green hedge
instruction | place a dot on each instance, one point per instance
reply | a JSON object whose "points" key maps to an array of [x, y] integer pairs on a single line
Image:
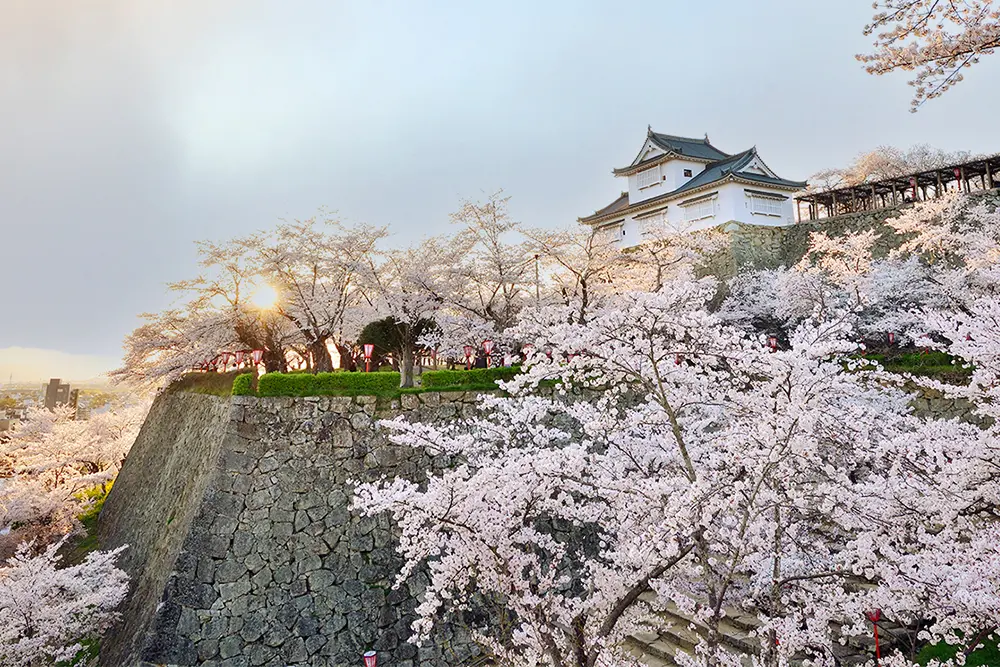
{"points": [[243, 385], [476, 376], [325, 384]]}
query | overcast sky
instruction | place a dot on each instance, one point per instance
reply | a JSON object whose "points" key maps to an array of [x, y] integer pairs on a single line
{"points": [[131, 129]]}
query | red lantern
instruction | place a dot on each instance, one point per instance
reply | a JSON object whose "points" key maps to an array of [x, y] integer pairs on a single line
{"points": [[468, 356], [370, 658], [913, 183], [892, 338], [772, 342], [369, 349], [257, 355], [239, 357], [488, 348], [958, 177], [678, 359], [874, 617]]}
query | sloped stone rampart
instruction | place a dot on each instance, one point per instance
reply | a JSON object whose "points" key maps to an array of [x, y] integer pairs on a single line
{"points": [[759, 246], [153, 503], [274, 568]]}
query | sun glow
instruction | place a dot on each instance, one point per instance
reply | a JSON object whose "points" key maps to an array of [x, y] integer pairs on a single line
{"points": [[264, 297]]}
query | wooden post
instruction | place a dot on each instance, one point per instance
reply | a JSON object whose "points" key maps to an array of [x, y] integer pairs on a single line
{"points": [[988, 176], [894, 193], [874, 198], [964, 179], [833, 206], [937, 188]]}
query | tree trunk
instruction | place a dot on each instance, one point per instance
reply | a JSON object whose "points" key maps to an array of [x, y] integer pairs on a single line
{"points": [[346, 358], [274, 361], [322, 362], [406, 366]]}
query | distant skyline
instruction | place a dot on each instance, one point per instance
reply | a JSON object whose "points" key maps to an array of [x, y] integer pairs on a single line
{"points": [[131, 130], [23, 364]]}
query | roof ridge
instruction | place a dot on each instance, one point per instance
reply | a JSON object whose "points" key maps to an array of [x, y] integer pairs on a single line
{"points": [[680, 138], [735, 157]]}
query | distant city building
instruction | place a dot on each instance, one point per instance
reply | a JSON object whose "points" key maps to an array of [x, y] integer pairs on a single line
{"points": [[58, 393], [685, 184]]}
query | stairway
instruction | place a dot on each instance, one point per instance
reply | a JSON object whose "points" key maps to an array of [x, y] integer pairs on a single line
{"points": [[671, 632]]}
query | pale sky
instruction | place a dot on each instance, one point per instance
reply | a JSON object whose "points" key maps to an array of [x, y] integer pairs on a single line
{"points": [[130, 129]]}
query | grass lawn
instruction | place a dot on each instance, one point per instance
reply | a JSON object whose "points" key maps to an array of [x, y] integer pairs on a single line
{"points": [[987, 656], [214, 384], [76, 548], [929, 364]]}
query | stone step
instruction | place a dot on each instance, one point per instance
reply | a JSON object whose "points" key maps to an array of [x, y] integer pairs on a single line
{"points": [[652, 656]]}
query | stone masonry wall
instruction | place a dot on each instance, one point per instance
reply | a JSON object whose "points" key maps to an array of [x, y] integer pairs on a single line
{"points": [[275, 569], [770, 247], [153, 504]]}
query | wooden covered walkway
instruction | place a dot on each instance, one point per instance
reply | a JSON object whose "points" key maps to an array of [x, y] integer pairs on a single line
{"points": [[977, 174]]}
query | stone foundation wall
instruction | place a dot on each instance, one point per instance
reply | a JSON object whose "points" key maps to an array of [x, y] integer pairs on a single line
{"points": [[153, 503], [274, 568], [770, 247]]}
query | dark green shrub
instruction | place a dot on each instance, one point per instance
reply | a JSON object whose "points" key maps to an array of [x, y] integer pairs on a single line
{"points": [[243, 385], [477, 376], [326, 384]]}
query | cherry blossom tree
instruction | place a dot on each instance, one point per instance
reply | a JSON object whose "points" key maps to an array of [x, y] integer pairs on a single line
{"points": [[584, 267], [316, 266], [457, 330], [489, 265], [693, 469], [172, 343], [53, 456], [935, 40], [47, 612], [579, 265], [886, 162], [397, 289]]}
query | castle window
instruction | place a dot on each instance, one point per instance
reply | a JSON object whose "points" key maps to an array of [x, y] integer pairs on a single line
{"points": [[687, 173], [761, 205], [699, 210], [649, 177]]}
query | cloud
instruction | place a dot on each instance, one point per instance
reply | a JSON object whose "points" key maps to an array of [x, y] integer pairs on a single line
{"points": [[32, 364]]}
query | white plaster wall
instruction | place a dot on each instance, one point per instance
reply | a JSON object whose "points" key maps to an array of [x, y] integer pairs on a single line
{"points": [[744, 214], [636, 195], [674, 173], [731, 205]]}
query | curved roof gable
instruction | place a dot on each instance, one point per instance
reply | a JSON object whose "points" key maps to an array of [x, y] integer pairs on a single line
{"points": [[663, 147], [699, 149]]}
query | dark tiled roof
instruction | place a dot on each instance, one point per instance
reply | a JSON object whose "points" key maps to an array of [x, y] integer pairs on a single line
{"points": [[696, 148], [682, 147], [732, 165], [783, 182], [619, 204]]}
